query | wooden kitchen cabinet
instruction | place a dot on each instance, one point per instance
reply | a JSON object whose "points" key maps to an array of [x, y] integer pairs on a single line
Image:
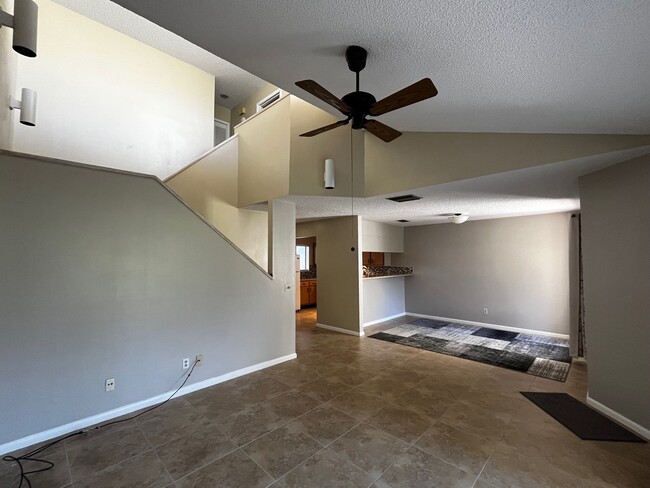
{"points": [[308, 291], [373, 258]]}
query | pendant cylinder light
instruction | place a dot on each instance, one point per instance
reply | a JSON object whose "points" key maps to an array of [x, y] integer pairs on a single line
{"points": [[25, 25], [27, 106], [329, 174]]}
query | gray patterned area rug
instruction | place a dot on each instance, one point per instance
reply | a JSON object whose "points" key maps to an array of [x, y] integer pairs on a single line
{"points": [[538, 355]]}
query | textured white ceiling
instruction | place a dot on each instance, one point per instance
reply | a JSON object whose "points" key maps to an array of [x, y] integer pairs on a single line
{"points": [[229, 79], [552, 66], [538, 190]]}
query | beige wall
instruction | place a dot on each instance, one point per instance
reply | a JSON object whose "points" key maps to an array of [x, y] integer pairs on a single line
{"points": [[223, 113], [517, 268], [433, 158], [106, 99], [209, 187], [264, 155], [250, 103], [616, 252], [308, 154], [379, 237], [8, 118], [339, 271]]}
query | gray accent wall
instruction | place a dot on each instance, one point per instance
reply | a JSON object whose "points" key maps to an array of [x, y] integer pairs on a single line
{"points": [[107, 275], [382, 298], [616, 252], [517, 268]]}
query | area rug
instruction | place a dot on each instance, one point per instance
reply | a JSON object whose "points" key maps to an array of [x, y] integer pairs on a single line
{"points": [[538, 355], [582, 420]]}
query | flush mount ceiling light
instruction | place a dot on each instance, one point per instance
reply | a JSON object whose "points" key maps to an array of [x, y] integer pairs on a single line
{"points": [[24, 22], [458, 218]]}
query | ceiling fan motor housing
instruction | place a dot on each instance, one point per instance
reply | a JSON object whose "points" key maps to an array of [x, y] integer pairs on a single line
{"points": [[360, 103], [356, 58]]}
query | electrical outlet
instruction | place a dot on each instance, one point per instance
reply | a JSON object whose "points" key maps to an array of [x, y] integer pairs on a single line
{"points": [[199, 359], [485, 311], [110, 384], [186, 363]]}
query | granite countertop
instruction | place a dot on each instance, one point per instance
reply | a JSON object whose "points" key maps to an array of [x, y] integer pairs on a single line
{"points": [[309, 275], [386, 271]]}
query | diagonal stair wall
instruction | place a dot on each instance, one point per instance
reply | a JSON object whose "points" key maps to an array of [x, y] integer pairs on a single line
{"points": [[107, 274]]}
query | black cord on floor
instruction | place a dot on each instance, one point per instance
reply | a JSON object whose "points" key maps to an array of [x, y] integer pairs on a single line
{"points": [[29, 456]]}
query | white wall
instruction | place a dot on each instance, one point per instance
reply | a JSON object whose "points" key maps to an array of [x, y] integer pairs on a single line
{"points": [[517, 268], [109, 275], [8, 118], [107, 99], [379, 237], [382, 298]]}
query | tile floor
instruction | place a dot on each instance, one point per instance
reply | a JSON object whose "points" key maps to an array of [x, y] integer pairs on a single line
{"points": [[351, 412]]}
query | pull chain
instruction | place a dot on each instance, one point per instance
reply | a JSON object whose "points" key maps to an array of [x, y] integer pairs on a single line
{"points": [[352, 182]]}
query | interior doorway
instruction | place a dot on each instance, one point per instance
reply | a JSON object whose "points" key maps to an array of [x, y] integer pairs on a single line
{"points": [[306, 281]]}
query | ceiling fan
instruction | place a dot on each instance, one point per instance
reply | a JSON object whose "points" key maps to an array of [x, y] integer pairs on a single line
{"points": [[358, 105]]}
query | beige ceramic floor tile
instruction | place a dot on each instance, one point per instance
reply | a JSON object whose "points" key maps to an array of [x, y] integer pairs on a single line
{"points": [[282, 450], [100, 453], [143, 470], [325, 423], [417, 469], [401, 422], [358, 404], [370, 448], [194, 450], [326, 469], [464, 450], [236, 470]]}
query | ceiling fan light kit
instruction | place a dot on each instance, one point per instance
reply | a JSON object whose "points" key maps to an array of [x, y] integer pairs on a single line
{"points": [[358, 105], [458, 218]]}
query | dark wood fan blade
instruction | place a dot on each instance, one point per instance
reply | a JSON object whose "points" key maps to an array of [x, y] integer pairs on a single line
{"points": [[315, 132], [417, 92], [382, 131], [318, 91]]}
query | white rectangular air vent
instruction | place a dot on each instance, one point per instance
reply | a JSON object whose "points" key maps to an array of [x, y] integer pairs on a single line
{"points": [[265, 102]]}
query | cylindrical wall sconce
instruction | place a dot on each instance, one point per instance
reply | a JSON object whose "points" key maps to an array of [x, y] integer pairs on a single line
{"points": [[329, 174], [27, 106], [24, 22]]}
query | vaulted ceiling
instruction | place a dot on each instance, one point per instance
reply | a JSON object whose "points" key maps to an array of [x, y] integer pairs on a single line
{"points": [[525, 66], [578, 66]]}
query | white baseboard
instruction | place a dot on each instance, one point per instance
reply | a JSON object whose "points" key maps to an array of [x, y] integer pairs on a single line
{"points": [[633, 426], [491, 326], [390, 317], [126, 409], [339, 329]]}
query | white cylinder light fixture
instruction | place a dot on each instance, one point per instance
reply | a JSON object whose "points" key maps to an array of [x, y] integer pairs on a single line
{"points": [[458, 218], [24, 22], [27, 106], [329, 174]]}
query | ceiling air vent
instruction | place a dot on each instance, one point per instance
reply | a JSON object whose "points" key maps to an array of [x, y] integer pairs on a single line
{"points": [[403, 220], [404, 198]]}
